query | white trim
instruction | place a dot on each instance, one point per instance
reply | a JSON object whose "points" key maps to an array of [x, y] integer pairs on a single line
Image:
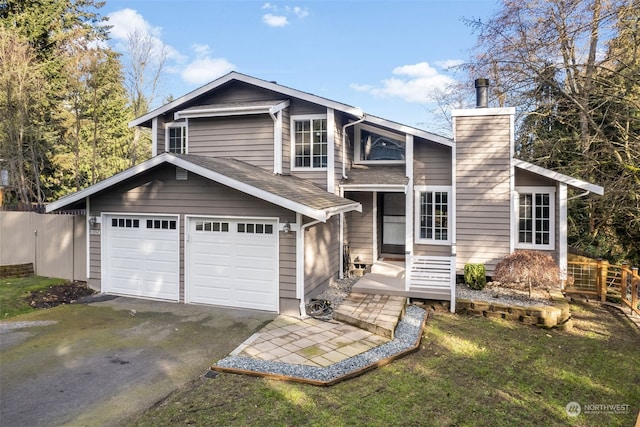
{"points": [[556, 176], [375, 187], [341, 249], [467, 112], [374, 253], [331, 151], [299, 118], [562, 231], [408, 209], [551, 191], [417, 190], [154, 137], [223, 111], [453, 208], [88, 235], [250, 80], [173, 125], [391, 135], [319, 214]]}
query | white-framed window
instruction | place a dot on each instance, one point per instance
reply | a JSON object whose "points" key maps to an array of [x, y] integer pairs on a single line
{"points": [[373, 145], [535, 216], [309, 136], [176, 138], [432, 214]]}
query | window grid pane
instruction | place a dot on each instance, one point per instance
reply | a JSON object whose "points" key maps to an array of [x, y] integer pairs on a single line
{"points": [[434, 215], [177, 139], [534, 225]]}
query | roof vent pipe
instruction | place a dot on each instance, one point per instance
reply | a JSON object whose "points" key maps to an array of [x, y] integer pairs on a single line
{"points": [[482, 93]]}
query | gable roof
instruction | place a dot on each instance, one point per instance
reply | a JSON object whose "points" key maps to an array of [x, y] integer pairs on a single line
{"points": [[145, 120], [557, 176], [290, 192]]}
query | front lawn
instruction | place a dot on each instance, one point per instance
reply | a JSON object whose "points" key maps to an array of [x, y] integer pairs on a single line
{"points": [[14, 293], [469, 371]]}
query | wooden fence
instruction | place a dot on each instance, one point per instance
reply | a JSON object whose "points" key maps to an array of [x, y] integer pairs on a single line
{"points": [[604, 280], [54, 244]]}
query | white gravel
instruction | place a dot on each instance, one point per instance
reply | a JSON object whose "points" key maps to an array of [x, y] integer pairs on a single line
{"points": [[500, 296], [406, 336]]}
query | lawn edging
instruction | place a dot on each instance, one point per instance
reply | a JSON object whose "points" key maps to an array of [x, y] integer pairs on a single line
{"points": [[556, 315]]}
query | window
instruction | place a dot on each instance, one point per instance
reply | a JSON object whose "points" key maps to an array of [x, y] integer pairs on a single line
{"points": [[379, 146], [161, 224], [177, 139], [535, 217], [432, 214], [310, 142], [125, 223], [255, 228], [213, 226]]}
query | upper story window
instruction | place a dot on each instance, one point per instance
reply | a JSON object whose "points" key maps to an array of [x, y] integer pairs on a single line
{"points": [[432, 206], [310, 141], [376, 145], [177, 138], [536, 218]]}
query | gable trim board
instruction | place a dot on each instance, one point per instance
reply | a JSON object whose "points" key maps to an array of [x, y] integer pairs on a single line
{"points": [[326, 204]]}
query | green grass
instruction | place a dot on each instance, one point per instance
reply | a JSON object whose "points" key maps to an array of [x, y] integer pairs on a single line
{"points": [[469, 371], [15, 290]]}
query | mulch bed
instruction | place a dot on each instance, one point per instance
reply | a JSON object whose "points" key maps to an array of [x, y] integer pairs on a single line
{"points": [[59, 294]]}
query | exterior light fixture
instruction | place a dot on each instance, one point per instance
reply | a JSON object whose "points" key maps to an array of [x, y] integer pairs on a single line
{"points": [[286, 228]]}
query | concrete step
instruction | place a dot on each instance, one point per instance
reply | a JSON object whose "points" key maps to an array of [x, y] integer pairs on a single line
{"points": [[389, 268], [378, 314]]}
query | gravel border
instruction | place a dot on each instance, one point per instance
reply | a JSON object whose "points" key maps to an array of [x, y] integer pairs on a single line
{"points": [[406, 337], [494, 295], [9, 326]]}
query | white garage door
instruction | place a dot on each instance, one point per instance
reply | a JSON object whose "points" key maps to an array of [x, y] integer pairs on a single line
{"points": [[141, 256], [232, 262]]}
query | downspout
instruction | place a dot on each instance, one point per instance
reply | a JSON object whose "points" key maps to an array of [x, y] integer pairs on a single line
{"points": [[344, 143], [300, 262], [586, 193], [277, 141]]}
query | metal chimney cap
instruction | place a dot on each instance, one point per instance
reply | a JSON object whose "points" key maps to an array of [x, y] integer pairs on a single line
{"points": [[481, 83]]}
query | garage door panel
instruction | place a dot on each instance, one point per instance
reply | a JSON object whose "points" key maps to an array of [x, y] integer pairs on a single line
{"points": [[233, 268], [142, 261]]}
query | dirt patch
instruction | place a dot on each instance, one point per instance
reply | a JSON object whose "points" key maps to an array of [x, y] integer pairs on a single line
{"points": [[59, 294]]}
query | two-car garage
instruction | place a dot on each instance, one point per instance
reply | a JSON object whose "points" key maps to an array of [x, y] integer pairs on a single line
{"points": [[227, 261]]}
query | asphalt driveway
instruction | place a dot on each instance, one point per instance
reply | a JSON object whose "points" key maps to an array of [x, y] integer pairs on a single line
{"points": [[101, 363]]}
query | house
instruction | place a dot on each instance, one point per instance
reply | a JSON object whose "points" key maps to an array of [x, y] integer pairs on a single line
{"points": [[256, 191]]}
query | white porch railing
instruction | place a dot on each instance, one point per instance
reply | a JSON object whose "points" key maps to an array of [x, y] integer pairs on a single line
{"points": [[435, 277]]}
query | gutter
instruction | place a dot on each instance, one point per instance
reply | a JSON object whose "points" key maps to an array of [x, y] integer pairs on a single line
{"points": [[586, 193], [344, 143]]}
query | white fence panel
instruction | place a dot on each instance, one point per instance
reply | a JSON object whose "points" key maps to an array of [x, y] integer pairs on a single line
{"points": [[434, 276]]}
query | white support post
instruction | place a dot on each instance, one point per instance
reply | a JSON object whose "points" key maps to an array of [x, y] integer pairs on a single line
{"points": [[562, 231]]}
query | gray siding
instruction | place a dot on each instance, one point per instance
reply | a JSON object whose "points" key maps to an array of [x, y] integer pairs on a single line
{"points": [[360, 225], [158, 192], [483, 189], [321, 256], [431, 163], [161, 136], [247, 138], [288, 265], [95, 262]]}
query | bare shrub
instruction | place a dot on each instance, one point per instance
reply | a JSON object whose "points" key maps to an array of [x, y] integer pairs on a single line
{"points": [[530, 269]]}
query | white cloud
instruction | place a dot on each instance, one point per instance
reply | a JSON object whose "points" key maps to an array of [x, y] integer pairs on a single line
{"points": [[449, 63], [204, 68], [412, 83], [280, 15], [126, 21], [275, 20]]}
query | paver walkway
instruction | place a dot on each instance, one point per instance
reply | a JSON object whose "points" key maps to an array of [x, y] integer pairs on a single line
{"points": [[314, 342]]}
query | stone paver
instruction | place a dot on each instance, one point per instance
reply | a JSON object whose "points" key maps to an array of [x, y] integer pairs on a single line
{"points": [[320, 343]]}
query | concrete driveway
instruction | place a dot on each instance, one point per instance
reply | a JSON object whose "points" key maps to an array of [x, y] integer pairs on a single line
{"points": [[103, 362]]}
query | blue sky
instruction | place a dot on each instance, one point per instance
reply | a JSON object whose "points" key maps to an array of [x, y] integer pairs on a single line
{"points": [[385, 57]]}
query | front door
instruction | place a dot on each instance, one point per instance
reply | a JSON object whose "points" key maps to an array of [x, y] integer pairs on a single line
{"points": [[393, 223]]}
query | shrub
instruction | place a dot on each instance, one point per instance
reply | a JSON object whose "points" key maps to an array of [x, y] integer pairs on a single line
{"points": [[475, 275], [528, 268]]}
